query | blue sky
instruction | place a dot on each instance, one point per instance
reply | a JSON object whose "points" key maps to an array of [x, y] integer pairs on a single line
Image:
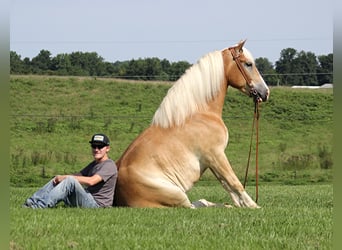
{"points": [[176, 30]]}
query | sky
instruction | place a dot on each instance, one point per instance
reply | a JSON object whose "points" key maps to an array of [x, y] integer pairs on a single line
{"points": [[176, 30]]}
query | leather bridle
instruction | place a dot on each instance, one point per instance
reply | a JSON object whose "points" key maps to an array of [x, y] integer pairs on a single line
{"points": [[236, 57]]}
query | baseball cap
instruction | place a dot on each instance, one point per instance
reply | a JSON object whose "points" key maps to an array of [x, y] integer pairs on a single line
{"points": [[99, 139]]}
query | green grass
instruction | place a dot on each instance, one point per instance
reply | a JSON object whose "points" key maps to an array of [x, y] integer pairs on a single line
{"points": [[291, 217], [52, 119]]}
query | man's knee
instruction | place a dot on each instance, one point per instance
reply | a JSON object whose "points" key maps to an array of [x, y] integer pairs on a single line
{"points": [[70, 180]]}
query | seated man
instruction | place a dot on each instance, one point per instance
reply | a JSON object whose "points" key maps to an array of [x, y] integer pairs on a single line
{"points": [[92, 187]]}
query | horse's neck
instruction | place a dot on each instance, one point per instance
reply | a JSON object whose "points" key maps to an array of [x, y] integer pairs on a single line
{"points": [[216, 105]]}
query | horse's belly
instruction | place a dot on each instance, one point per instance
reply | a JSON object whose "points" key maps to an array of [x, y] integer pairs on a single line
{"points": [[173, 167]]}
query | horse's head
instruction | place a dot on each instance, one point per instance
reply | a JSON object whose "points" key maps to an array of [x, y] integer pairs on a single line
{"points": [[241, 72]]}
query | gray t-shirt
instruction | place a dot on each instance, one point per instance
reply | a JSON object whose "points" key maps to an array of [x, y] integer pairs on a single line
{"points": [[103, 192]]}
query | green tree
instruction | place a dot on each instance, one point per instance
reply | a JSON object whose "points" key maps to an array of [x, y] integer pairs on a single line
{"points": [[153, 69], [266, 69], [16, 64], [297, 68], [78, 64], [27, 66], [61, 64], [42, 62], [307, 68], [120, 69], [285, 66], [136, 69], [325, 69], [93, 63], [177, 69], [165, 64]]}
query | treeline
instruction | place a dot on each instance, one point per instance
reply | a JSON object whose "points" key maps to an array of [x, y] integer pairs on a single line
{"points": [[293, 68], [297, 68], [91, 64]]}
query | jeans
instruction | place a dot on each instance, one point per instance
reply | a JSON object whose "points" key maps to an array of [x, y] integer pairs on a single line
{"points": [[69, 190]]}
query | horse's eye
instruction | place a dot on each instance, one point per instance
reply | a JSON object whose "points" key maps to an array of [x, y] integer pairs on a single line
{"points": [[249, 64]]}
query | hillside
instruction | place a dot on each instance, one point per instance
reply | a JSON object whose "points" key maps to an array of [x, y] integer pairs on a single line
{"points": [[52, 119]]}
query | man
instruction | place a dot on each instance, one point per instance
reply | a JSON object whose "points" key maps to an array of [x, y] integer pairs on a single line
{"points": [[98, 179]]}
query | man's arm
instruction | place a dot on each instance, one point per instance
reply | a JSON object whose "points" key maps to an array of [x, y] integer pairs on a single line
{"points": [[84, 180]]}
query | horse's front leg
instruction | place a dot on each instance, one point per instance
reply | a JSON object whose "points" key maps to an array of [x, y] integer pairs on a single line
{"points": [[223, 171]]}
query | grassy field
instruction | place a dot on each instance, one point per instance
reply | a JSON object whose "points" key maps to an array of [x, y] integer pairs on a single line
{"points": [[291, 217], [53, 118]]}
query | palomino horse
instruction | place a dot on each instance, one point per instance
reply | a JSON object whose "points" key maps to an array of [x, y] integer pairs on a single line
{"points": [[188, 136]]}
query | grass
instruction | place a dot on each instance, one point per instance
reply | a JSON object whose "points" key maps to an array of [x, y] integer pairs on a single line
{"points": [[52, 119], [291, 217]]}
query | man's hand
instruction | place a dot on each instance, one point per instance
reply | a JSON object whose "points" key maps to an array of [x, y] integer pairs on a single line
{"points": [[58, 179]]}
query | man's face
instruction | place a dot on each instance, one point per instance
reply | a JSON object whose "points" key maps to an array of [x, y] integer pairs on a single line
{"points": [[99, 151]]}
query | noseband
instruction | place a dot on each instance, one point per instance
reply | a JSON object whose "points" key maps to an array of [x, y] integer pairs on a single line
{"points": [[236, 57]]}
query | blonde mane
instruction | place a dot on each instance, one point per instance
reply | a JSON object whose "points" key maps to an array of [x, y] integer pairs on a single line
{"points": [[190, 93]]}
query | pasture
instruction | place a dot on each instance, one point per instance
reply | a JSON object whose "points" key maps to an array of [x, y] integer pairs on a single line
{"points": [[52, 119], [291, 217]]}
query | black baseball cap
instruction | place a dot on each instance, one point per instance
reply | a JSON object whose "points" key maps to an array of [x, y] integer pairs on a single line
{"points": [[99, 139]]}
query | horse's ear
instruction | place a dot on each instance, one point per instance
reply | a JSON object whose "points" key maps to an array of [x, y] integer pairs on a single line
{"points": [[240, 45]]}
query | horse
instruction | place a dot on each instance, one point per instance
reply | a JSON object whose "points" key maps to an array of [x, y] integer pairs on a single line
{"points": [[188, 136]]}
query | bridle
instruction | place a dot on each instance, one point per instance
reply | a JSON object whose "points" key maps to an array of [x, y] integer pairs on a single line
{"points": [[236, 58], [253, 93]]}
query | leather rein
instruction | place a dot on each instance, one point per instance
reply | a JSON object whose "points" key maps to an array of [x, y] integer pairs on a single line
{"points": [[253, 93]]}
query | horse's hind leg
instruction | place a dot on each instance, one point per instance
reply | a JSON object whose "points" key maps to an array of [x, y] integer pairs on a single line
{"points": [[160, 195], [174, 197]]}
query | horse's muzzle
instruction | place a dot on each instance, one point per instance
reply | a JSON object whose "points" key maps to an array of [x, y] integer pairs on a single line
{"points": [[259, 96]]}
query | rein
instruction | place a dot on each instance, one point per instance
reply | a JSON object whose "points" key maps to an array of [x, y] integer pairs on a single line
{"points": [[254, 94], [256, 125]]}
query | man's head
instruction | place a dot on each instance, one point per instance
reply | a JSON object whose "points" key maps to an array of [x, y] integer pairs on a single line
{"points": [[100, 146]]}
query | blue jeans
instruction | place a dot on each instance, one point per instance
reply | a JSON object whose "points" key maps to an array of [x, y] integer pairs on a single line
{"points": [[69, 190]]}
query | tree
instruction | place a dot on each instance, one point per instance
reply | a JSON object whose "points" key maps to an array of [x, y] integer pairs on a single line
{"points": [[297, 68], [266, 69], [41, 62], [166, 65], [306, 66], [120, 69], [177, 69], [325, 69], [93, 63], [61, 64], [78, 64], [153, 69], [109, 69], [135, 69], [285, 66], [17, 66], [27, 66]]}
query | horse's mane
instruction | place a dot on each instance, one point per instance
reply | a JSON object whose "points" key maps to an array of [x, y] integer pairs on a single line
{"points": [[190, 93]]}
